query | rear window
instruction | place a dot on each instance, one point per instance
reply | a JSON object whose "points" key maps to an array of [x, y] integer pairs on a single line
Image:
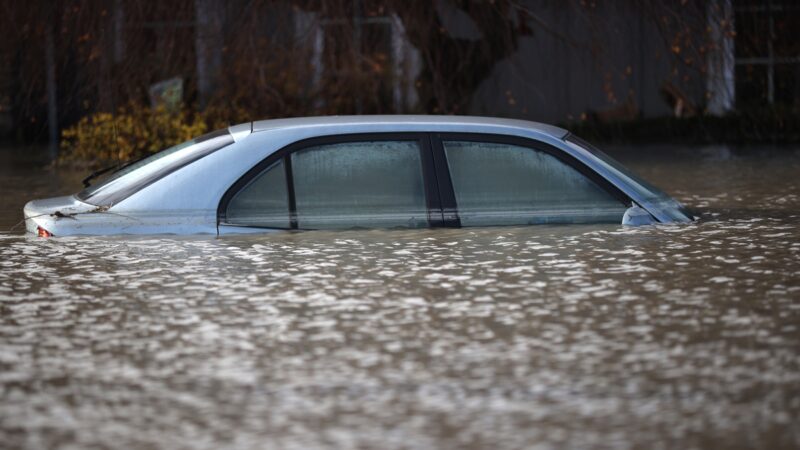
{"points": [[136, 176]]}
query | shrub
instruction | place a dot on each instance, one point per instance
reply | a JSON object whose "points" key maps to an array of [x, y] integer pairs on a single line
{"points": [[135, 131]]}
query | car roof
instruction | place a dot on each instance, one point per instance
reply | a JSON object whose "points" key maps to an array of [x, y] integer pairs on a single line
{"points": [[419, 122]]}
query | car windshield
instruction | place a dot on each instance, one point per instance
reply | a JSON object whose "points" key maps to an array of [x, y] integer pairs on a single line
{"points": [[656, 198], [644, 188], [133, 177]]}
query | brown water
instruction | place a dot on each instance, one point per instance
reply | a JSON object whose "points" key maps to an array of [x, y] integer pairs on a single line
{"points": [[538, 337]]}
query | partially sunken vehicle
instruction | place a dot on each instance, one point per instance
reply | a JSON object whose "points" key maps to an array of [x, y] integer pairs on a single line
{"points": [[360, 172]]}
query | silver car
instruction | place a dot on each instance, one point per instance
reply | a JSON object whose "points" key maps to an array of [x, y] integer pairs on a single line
{"points": [[360, 172]]}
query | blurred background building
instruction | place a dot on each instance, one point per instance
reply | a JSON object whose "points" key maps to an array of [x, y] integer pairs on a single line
{"points": [[569, 61]]}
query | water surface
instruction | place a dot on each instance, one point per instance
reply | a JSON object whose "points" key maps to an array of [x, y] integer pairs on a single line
{"points": [[533, 337]]}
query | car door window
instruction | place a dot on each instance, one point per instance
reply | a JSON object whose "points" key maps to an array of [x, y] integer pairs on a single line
{"points": [[503, 184], [359, 184], [263, 202]]}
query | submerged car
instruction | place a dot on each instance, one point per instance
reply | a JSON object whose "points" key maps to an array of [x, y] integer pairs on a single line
{"points": [[360, 172]]}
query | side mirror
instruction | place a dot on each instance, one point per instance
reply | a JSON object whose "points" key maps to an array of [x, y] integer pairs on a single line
{"points": [[637, 216]]}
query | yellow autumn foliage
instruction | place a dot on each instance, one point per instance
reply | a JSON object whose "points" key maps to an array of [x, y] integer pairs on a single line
{"points": [[135, 131]]}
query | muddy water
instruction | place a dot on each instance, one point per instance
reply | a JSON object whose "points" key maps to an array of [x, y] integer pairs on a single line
{"points": [[538, 337]]}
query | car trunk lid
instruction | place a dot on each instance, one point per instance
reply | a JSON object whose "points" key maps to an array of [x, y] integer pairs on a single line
{"points": [[45, 214]]}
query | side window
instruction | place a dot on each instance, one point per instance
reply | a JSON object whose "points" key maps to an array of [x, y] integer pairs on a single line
{"points": [[502, 184], [359, 184], [264, 202]]}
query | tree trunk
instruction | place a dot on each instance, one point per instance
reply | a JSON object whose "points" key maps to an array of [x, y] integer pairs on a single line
{"points": [[52, 101], [720, 63], [119, 31], [454, 67], [208, 47]]}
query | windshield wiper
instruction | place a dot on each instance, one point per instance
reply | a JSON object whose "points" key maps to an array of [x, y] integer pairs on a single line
{"points": [[97, 173]]}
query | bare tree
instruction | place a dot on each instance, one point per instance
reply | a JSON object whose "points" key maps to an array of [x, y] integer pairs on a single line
{"points": [[454, 67]]}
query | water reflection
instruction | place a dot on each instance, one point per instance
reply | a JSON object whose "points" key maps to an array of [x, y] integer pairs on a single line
{"points": [[577, 336]]}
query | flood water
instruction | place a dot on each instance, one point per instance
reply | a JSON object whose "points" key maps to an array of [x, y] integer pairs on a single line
{"points": [[538, 337]]}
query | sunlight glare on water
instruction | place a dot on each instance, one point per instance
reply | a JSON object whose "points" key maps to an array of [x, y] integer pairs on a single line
{"points": [[544, 336]]}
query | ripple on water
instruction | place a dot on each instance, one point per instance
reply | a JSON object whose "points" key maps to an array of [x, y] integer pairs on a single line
{"points": [[556, 335]]}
